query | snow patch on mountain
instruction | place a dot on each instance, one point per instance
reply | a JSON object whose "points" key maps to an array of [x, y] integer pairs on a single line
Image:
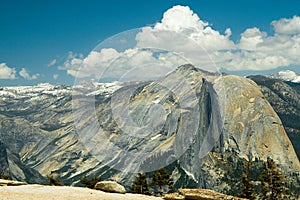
{"points": [[101, 88], [58, 90], [287, 75]]}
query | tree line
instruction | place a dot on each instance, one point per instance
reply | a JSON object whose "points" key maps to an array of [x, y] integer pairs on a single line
{"points": [[270, 184], [259, 180]]}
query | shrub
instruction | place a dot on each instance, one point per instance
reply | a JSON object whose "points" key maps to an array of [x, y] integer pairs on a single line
{"points": [[4, 174], [90, 183], [160, 179], [54, 181], [140, 185]]}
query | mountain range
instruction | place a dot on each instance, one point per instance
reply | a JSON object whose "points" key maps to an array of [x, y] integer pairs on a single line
{"points": [[201, 126]]}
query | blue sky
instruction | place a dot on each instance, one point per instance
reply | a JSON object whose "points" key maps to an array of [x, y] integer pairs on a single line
{"points": [[34, 33]]}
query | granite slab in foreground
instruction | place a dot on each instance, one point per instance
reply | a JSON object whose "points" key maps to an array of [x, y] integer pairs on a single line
{"points": [[37, 192]]}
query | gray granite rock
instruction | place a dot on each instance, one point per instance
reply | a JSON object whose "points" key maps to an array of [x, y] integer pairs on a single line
{"points": [[110, 186]]}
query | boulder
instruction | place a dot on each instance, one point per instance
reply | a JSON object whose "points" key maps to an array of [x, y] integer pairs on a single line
{"points": [[205, 194], [110, 186]]}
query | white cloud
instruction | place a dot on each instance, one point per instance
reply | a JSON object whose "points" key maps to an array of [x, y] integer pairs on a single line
{"points": [[248, 60], [53, 62], [143, 64], [92, 65], [196, 42], [182, 20], [55, 76], [108, 63], [255, 50], [25, 74], [259, 51], [7, 72], [251, 38], [287, 26]]}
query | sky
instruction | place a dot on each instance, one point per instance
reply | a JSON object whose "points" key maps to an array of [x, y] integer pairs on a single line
{"points": [[56, 41]]}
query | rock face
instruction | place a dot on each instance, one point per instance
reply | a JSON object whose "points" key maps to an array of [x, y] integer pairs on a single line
{"points": [[110, 186], [36, 126], [252, 130], [252, 127], [284, 97], [12, 166], [4, 169], [210, 125]]}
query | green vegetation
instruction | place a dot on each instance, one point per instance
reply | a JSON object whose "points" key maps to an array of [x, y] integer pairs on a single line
{"points": [[54, 181], [273, 182], [89, 182], [161, 183], [270, 183], [160, 179], [140, 185], [247, 184], [4, 174]]}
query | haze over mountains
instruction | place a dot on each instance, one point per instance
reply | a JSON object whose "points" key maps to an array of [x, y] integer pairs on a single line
{"points": [[201, 138]]}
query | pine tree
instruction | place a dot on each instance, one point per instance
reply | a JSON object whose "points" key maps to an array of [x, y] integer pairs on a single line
{"points": [[162, 178], [247, 184], [273, 183], [140, 185]]}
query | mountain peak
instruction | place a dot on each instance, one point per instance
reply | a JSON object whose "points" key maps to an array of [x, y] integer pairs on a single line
{"points": [[186, 67]]}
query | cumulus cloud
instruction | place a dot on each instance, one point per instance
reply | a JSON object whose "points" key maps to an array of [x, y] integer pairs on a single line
{"points": [[180, 31], [182, 20], [7, 72], [260, 51], [92, 65], [251, 38], [248, 60], [25, 74], [135, 62], [189, 39], [287, 26]]}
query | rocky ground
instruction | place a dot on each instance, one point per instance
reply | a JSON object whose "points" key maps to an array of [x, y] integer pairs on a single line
{"points": [[34, 192], [15, 190]]}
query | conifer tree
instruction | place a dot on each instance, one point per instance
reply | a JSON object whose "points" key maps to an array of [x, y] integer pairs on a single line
{"points": [[247, 184], [161, 178], [273, 183], [140, 185]]}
